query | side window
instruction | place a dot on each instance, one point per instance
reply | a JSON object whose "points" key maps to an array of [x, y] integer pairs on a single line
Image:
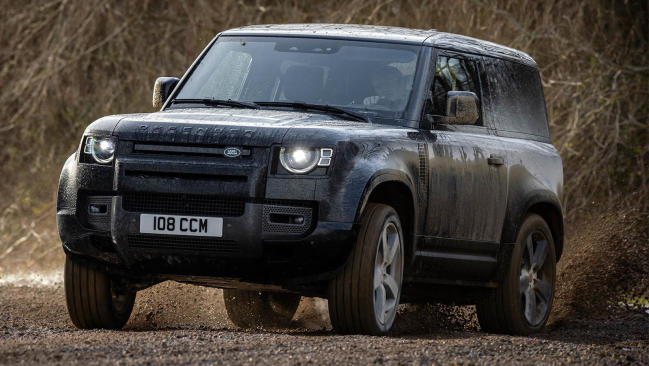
{"points": [[515, 100], [451, 74]]}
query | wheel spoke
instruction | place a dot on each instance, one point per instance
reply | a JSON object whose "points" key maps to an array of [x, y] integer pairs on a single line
{"points": [[540, 254], [389, 306], [544, 289], [530, 306], [392, 248], [378, 277], [392, 285], [529, 245], [379, 303], [523, 281], [384, 244]]}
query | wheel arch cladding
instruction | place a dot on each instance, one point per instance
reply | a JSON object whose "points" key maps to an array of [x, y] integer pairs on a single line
{"points": [[544, 204], [393, 190], [67, 195], [553, 217]]}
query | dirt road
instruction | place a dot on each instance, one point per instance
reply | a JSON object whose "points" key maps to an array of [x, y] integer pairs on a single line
{"points": [[183, 324]]}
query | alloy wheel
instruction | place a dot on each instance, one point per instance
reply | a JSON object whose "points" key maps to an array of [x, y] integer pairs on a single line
{"points": [[535, 280], [388, 272]]}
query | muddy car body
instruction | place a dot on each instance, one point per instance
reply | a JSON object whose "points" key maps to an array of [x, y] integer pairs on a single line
{"points": [[454, 174]]}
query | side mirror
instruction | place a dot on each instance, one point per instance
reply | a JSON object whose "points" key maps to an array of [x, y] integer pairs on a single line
{"points": [[162, 90], [461, 108]]}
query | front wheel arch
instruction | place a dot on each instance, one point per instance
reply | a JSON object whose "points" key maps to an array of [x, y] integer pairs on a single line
{"points": [[396, 190]]}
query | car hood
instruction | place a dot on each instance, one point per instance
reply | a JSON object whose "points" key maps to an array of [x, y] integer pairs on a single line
{"points": [[226, 126]]}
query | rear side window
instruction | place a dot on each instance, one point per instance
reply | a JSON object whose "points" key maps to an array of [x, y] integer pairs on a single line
{"points": [[515, 101], [451, 74]]}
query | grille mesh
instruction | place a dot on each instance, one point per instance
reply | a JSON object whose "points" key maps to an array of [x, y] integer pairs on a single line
{"points": [[164, 243], [183, 204], [274, 227]]}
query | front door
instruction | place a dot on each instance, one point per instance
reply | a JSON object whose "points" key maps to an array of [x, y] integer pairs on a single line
{"points": [[467, 194]]}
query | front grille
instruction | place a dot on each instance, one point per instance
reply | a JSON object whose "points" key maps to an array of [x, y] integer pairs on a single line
{"points": [[174, 244], [183, 204]]}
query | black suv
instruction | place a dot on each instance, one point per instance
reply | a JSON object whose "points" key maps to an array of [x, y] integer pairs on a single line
{"points": [[367, 165]]}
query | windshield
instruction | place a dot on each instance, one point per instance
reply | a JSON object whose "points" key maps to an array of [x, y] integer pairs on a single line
{"points": [[371, 78]]}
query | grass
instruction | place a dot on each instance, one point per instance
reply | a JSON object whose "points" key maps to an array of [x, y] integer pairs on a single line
{"points": [[635, 303]]}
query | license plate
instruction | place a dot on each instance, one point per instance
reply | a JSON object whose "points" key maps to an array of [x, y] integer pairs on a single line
{"points": [[181, 225]]}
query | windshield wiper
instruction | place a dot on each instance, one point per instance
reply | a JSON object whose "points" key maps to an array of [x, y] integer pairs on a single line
{"points": [[318, 107], [218, 102]]}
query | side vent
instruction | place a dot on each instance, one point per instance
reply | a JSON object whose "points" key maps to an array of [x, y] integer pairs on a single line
{"points": [[423, 168]]}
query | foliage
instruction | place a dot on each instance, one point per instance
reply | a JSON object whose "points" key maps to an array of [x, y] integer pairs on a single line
{"points": [[64, 64]]}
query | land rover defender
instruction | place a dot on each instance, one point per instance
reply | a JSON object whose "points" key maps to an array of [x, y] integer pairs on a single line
{"points": [[370, 166]]}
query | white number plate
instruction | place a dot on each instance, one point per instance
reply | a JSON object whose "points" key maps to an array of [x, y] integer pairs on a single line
{"points": [[181, 225]]}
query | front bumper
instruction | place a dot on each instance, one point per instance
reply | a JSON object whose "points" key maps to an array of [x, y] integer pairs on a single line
{"points": [[241, 191], [252, 248]]}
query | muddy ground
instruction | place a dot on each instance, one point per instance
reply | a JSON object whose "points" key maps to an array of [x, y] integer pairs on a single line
{"points": [[606, 260], [184, 324]]}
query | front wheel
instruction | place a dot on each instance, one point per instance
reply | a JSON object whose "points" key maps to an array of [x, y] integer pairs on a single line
{"points": [[92, 298], [364, 297], [522, 302]]}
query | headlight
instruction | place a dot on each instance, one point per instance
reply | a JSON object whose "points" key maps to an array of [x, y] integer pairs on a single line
{"points": [[302, 160], [101, 149]]}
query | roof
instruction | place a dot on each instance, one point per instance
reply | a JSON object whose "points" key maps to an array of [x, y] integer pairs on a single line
{"points": [[429, 37]]}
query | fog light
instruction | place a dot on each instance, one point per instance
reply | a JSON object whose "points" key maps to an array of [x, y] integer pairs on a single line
{"points": [[97, 209]]}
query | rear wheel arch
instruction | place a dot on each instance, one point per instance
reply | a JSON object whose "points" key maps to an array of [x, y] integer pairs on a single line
{"points": [[554, 218], [542, 203]]}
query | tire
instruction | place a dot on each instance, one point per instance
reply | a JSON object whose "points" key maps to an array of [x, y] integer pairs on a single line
{"points": [[523, 300], [92, 300], [258, 309], [364, 297]]}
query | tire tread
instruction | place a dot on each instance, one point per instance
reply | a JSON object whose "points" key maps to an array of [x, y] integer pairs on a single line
{"points": [[498, 312], [349, 292], [88, 298]]}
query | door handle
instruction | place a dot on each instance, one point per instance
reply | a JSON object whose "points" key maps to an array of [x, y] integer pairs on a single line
{"points": [[494, 159]]}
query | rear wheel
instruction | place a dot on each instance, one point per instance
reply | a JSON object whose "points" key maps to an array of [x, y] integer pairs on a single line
{"points": [[258, 309], [364, 297], [92, 298], [522, 302]]}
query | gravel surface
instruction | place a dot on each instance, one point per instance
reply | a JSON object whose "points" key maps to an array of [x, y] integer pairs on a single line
{"points": [[183, 324]]}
